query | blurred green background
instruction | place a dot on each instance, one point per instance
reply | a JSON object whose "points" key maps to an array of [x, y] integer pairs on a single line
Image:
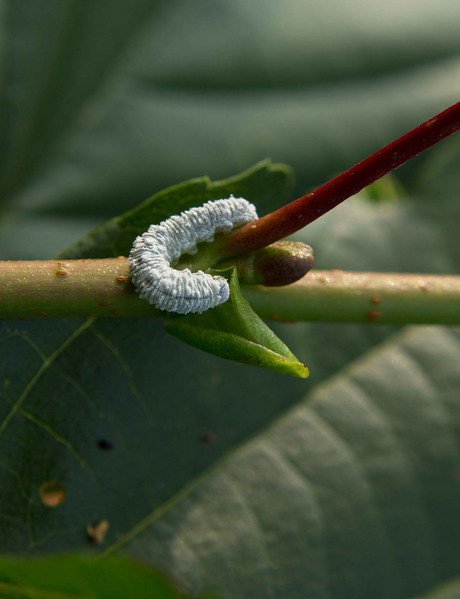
{"points": [[104, 103]]}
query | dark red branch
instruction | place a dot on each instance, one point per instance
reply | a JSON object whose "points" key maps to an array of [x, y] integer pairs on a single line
{"points": [[301, 212]]}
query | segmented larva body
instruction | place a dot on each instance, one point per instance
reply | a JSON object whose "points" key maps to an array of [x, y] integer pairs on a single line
{"points": [[155, 252]]}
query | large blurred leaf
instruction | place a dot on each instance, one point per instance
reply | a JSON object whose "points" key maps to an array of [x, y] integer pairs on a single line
{"points": [[354, 493], [103, 106], [58, 53]]}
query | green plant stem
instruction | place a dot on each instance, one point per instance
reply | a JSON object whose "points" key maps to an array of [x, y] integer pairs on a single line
{"points": [[339, 296], [87, 288], [57, 288]]}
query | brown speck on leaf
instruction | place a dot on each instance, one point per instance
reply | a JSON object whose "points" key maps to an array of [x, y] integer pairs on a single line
{"points": [[273, 316], [376, 300], [97, 533], [42, 313], [104, 304], [88, 316], [52, 494], [115, 312], [373, 315], [207, 437], [120, 279]]}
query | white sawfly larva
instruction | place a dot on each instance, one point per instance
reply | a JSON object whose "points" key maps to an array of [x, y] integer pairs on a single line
{"points": [[155, 252]]}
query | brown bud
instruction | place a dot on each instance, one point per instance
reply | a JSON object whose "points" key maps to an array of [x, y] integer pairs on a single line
{"points": [[279, 264]]}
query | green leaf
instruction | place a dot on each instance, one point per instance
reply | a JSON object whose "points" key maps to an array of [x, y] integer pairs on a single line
{"points": [[234, 331], [353, 493], [260, 184], [76, 576]]}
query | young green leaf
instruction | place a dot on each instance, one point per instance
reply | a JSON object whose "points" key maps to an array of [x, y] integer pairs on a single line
{"points": [[265, 184], [234, 331]]}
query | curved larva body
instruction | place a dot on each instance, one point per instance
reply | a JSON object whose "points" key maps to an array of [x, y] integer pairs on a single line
{"points": [[154, 252]]}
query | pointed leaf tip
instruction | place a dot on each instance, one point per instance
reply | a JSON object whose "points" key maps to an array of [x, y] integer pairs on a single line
{"points": [[233, 331]]}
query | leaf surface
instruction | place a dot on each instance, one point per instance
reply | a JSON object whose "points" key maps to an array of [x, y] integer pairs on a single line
{"points": [[343, 494]]}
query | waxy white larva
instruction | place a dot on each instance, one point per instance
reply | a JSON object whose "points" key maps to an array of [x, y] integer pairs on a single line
{"points": [[155, 252]]}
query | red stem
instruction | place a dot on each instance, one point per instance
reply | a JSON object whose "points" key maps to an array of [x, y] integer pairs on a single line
{"points": [[301, 212]]}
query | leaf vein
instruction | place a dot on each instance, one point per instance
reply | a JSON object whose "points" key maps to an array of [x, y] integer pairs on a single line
{"points": [[46, 364]]}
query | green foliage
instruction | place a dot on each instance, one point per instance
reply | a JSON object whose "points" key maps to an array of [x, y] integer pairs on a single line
{"points": [[356, 490], [343, 485], [263, 184], [73, 577]]}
